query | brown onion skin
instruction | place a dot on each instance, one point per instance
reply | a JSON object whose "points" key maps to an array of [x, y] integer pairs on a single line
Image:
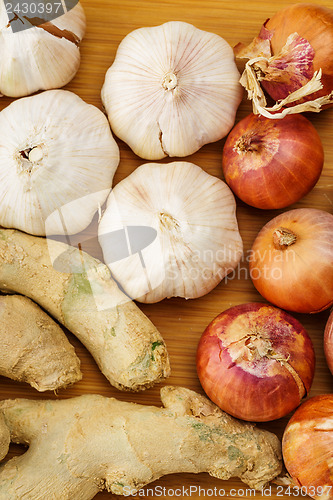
{"points": [[271, 164], [328, 342], [307, 449], [246, 384], [299, 277], [315, 24]]}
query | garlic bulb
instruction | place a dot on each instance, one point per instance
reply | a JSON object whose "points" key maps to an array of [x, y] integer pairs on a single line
{"points": [[46, 55], [57, 161], [170, 230], [171, 89]]}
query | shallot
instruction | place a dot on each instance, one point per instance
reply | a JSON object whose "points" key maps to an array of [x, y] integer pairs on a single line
{"points": [[307, 447], [292, 260], [292, 59], [272, 163], [255, 362]]}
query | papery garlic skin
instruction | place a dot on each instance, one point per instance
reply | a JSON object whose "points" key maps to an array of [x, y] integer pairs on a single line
{"points": [[171, 89], [40, 58], [197, 239], [57, 162]]}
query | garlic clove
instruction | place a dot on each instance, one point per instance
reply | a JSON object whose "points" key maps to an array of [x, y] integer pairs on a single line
{"points": [[197, 239], [171, 89], [42, 57], [57, 162]]}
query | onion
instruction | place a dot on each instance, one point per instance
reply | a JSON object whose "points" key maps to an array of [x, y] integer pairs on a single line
{"points": [[272, 164], [307, 447], [255, 362], [293, 50], [291, 262], [328, 342]]}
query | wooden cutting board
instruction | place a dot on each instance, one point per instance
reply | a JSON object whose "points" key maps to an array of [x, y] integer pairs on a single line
{"points": [[182, 322]]}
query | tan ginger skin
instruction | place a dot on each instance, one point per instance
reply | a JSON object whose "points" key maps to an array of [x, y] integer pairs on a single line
{"points": [[33, 347], [79, 292], [4, 437], [80, 446]]}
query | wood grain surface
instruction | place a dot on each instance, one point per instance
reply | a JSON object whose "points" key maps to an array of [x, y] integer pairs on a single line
{"points": [[182, 322]]}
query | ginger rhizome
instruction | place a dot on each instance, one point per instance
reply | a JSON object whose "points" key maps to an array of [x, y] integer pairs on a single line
{"points": [[33, 347], [79, 292], [80, 446]]}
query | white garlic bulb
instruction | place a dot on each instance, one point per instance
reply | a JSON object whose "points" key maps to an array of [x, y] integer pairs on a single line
{"points": [[45, 56], [170, 230], [171, 89], [57, 162]]}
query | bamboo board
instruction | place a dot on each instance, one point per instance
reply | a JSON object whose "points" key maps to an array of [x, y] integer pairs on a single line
{"points": [[182, 322]]}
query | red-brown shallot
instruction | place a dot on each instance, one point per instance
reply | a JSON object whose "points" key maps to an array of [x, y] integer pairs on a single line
{"points": [[292, 60], [328, 342], [292, 260], [307, 447], [255, 362], [271, 164]]}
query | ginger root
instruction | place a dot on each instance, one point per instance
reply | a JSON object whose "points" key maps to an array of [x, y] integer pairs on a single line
{"points": [[33, 347], [80, 446], [79, 292], [4, 437]]}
